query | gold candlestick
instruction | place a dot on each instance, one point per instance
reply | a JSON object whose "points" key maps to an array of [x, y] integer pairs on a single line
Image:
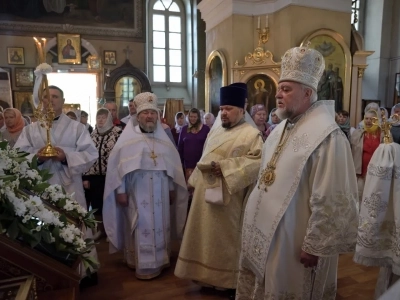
{"points": [[44, 112], [387, 125]]}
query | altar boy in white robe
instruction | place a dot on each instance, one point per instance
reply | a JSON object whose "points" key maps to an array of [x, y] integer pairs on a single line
{"points": [[76, 152], [145, 197], [303, 211]]}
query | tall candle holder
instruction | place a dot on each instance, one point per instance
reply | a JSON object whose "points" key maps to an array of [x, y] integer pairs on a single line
{"points": [[387, 125], [44, 112], [263, 33]]}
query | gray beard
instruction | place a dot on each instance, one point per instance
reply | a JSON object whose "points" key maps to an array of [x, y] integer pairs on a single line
{"points": [[148, 128]]}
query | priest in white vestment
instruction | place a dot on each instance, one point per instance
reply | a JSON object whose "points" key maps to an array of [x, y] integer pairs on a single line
{"points": [[303, 211], [378, 240], [222, 180], [76, 150], [145, 197]]}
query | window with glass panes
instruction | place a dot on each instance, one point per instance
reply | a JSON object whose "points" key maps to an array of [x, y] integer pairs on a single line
{"points": [[167, 54], [355, 12]]}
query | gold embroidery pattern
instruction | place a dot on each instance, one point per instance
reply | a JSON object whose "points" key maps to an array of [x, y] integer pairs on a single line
{"points": [[375, 205]]}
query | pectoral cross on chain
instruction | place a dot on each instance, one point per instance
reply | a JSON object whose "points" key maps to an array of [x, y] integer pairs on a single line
{"points": [[153, 157]]}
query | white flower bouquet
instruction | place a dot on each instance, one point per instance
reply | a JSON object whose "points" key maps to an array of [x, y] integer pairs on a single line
{"points": [[39, 214]]}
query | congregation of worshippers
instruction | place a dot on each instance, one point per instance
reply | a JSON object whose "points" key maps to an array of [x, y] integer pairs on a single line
{"points": [[262, 201]]}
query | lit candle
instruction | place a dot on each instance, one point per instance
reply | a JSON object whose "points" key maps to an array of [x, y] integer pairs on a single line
{"points": [[44, 49], [259, 23], [38, 47], [266, 21]]}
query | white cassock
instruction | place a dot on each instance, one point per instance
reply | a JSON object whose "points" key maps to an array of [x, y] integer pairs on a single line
{"points": [[378, 241], [80, 152], [143, 229], [311, 206]]}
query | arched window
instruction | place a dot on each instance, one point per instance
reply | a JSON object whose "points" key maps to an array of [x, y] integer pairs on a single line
{"points": [[166, 41], [355, 12]]}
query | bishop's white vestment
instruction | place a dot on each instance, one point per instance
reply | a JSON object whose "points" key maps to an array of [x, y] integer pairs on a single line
{"points": [[311, 206], [143, 230]]}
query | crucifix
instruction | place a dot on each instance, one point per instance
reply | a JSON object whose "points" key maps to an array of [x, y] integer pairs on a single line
{"points": [[153, 157], [127, 51]]}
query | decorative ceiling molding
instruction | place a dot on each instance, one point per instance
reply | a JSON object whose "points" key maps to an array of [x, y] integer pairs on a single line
{"points": [[214, 12]]}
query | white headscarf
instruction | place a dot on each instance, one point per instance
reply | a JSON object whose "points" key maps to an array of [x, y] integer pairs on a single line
{"points": [[177, 126], [392, 113], [109, 123]]}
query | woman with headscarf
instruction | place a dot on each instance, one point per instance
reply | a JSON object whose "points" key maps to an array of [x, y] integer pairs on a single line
{"points": [[395, 130], [179, 123], [191, 141], [72, 115], [343, 121], [273, 121], [370, 106], [209, 119], [14, 124], [104, 136], [364, 142], [259, 114]]}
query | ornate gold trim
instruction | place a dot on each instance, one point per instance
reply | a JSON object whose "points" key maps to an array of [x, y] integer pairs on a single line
{"points": [[221, 56], [361, 70], [347, 55]]}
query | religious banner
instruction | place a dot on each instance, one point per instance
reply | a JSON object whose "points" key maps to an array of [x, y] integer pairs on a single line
{"points": [[5, 89]]}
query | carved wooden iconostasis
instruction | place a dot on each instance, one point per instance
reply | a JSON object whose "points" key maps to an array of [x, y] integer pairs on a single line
{"points": [[261, 74]]}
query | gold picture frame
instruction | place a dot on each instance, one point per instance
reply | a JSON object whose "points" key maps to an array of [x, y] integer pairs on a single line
{"points": [[23, 101], [338, 62], [216, 77], [15, 56], [69, 48], [110, 57], [68, 107], [24, 77], [94, 63]]}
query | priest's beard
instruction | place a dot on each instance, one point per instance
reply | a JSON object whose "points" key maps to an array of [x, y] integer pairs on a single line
{"points": [[148, 126], [289, 112]]}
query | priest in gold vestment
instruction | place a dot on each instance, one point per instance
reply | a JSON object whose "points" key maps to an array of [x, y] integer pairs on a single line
{"points": [[303, 211], [228, 169]]}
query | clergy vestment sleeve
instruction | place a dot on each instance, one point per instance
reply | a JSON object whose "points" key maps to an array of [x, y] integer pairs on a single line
{"points": [[242, 167], [121, 189], [85, 154], [24, 142], [332, 226]]}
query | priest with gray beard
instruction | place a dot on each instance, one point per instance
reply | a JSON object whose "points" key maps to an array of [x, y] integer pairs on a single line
{"points": [[145, 197]]}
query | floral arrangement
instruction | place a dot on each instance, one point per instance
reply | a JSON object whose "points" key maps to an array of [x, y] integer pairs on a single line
{"points": [[40, 214]]}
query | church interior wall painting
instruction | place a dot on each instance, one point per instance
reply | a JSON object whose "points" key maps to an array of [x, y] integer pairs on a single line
{"points": [[261, 89], [115, 19], [216, 77], [23, 101], [69, 48], [24, 77], [15, 56], [336, 79]]}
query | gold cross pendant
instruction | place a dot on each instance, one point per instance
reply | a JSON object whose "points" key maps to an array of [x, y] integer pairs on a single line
{"points": [[153, 157]]}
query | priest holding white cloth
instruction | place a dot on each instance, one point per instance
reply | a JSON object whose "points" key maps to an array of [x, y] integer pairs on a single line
{"points": [[145, 192], [303, 212], [222, 181]]}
